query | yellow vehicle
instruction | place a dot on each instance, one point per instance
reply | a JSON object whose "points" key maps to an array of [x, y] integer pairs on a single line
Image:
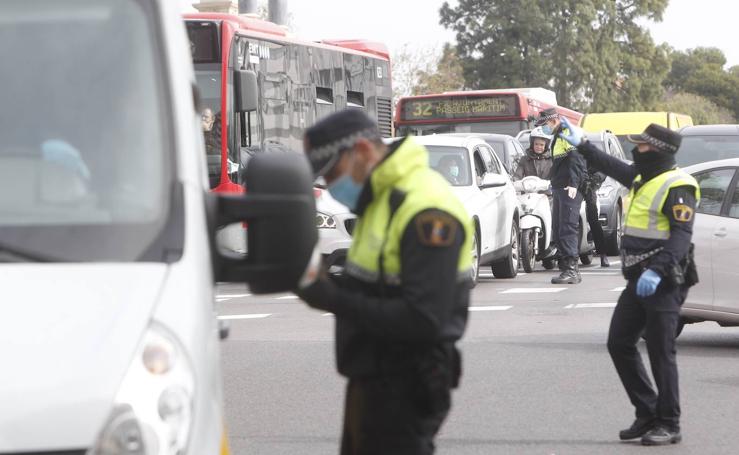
{"points": [[624, 123]]}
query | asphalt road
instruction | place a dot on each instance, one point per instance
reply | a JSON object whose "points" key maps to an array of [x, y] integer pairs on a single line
{"points": [[537, 376]]}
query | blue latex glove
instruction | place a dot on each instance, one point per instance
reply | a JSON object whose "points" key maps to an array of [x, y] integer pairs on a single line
{"points": [[647, 284], [575, 134]]}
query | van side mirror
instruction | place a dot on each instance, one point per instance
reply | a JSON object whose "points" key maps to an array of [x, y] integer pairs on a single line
{"points": [[279, 209], [245, 88]]}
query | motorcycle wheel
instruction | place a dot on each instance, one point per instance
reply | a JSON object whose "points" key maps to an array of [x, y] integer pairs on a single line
{"points": [[528, 249]]}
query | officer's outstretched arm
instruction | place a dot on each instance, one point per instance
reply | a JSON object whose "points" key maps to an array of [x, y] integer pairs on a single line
{"points": [[679, 208], [603, 162], [430, 296], [611, 166]]}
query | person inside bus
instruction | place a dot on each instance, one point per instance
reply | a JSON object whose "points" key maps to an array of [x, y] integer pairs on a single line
{"points": [[537, 160], [449, 166]]}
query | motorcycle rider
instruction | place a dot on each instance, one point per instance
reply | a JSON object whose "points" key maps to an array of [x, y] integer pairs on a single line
{"points": [[538, 160]]}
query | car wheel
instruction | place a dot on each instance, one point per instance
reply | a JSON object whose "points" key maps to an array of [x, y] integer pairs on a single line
{"points": [[586, 259], [475, 260], [508, 266], [528, 249], [613, 243], [549, 263]]}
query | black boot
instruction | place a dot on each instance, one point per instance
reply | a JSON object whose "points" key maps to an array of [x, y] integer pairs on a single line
{"points": [[661, 436], [640, 427], [570, 272], [604, 261]]}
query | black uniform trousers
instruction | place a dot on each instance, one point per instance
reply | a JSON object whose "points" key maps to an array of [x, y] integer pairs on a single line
{"points": [[566, 219], [386, 416], [656, 316], [591, 210]]}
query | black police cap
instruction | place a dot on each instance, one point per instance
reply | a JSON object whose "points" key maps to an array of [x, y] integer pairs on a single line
{"points": [[335, 133], [546, 115], [659, 137]]}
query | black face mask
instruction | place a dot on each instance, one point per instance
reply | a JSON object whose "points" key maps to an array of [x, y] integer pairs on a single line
{"points": [[650, 164]]}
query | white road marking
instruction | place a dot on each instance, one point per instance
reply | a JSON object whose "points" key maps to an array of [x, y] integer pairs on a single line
{"points": [[532, 290], [575, 306], [618, 289], [288, 297], [327, 314], [491, 308], [232, 296], [600, 273], [229, 317], [616, 262]]}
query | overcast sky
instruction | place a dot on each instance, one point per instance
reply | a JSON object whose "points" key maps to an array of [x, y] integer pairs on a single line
{"points": [[687, 23]]}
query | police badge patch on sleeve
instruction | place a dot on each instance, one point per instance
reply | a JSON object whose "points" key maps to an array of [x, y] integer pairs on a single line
{"points": [[436, 228], [682, 212]]}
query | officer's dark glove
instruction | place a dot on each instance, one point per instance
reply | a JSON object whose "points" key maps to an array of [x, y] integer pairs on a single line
{"points": [[321, 295], [315, 287]]}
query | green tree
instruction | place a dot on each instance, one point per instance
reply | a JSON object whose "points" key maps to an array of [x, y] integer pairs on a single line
{"points": [[702, 110], [446, 76], [701, 71], [592, 53]]}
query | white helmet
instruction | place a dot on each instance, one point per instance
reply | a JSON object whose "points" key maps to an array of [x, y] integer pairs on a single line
{"points": [[538, 132]]}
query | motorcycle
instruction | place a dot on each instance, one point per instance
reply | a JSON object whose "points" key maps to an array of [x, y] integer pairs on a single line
{"points": [[535, 223]]}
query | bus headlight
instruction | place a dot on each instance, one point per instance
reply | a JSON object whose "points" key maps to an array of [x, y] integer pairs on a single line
{"points": [[152, 413]]}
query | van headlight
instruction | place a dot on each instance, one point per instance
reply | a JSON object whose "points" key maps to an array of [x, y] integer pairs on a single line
{"points": [[152, 413]]}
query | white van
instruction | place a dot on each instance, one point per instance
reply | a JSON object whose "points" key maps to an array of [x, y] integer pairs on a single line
{"points": [[108, 338]]}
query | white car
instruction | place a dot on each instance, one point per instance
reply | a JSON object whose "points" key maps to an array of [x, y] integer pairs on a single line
{"points": [[716, 239], [486, 190], [335, 225]]}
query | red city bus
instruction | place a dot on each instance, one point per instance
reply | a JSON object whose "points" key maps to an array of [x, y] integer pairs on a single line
{"points": [[294, 84], [506, 111]]}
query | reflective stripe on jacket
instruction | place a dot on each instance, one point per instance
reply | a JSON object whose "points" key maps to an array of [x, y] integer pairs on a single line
{"points": [[644, 217], [379, 231]]}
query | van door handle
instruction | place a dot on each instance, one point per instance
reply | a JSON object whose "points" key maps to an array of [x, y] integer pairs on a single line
{"points": [[720, 232]]}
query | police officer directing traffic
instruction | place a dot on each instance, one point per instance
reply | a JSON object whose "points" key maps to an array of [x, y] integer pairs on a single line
{"points": [[403, 299], [657, 262], [566, 178]]}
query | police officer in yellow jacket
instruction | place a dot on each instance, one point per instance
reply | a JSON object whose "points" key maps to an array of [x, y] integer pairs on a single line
{"points": [[657, 262], [403, 299]]}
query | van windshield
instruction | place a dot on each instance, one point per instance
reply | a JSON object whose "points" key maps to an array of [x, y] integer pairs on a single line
{"points": [[85, 156]]}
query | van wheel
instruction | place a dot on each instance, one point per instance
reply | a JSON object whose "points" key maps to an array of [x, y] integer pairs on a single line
{"points": [[508, 266]]}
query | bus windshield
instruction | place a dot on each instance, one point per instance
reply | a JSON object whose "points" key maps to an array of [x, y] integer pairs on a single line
{"points": [[85, 156], [510, 128]]}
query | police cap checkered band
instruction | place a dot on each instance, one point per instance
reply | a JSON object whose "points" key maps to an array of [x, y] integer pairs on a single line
{"points": [[335, 133], [661, 138], [546, 115]]}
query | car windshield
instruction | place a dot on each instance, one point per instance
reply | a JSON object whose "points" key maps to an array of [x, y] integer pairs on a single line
{"points": [[451, 162], [85, 165], [510, 128], [700, 149]]}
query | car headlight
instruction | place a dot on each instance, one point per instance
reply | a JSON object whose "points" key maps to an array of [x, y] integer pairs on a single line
{"points": [[324, 221], [152, 413], [605, 191]]}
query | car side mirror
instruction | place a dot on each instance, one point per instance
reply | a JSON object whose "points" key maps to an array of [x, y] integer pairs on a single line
{"points": [[245, 88], [491, 180], [279, 209]]}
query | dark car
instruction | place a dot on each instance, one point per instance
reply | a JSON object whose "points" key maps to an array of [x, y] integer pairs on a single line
{"points": [[708, 143]]}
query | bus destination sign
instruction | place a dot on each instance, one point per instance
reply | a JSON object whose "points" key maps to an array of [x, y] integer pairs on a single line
{"points": [[460, 107]]}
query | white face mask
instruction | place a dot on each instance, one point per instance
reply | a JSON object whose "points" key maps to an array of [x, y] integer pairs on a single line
{"points": [[454, 171]]}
